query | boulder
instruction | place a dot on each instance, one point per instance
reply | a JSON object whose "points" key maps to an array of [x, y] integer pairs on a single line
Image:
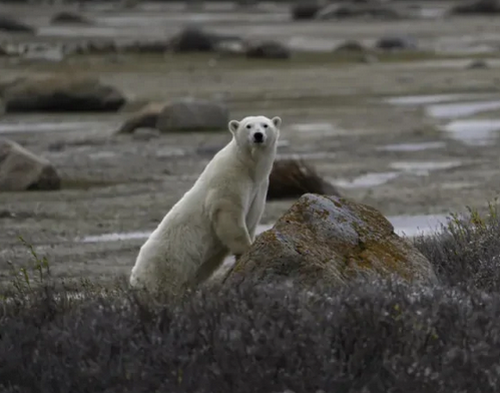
{"points": [[146, 117], [331, 239], [193, 115], [61, 94], [14, 26], [70, 18], [477, 64], [479, 7], [292, 178], [350, 46], [193, 39], [267, 50], [352, 10], [305, 10], [396, 43], [21, 170]]}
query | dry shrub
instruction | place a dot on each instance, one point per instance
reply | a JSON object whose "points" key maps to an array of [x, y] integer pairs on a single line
{"points": [[292, 178], [270, 336]]}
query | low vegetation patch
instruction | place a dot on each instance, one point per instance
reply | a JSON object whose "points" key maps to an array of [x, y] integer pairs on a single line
{"points": [[370, 336]]}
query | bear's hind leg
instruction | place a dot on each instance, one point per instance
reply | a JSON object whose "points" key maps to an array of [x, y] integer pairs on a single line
{"points": [[206, 270], [232, 231]]}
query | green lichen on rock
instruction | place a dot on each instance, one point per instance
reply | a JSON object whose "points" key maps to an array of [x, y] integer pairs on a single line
{"points": [[332, 238]]}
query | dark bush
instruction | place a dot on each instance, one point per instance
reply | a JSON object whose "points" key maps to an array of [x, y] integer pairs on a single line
{"points": [[466, 252], [270, 337], [370, 336]]}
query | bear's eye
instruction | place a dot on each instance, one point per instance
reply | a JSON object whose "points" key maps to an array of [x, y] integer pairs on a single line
{"points": [[265, 125], [248, 126]]}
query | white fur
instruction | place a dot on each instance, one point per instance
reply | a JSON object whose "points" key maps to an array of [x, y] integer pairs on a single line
{"points": [[216, 217]]}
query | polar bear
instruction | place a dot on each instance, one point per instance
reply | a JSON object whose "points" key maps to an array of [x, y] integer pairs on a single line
{"points": [[218, 216]]}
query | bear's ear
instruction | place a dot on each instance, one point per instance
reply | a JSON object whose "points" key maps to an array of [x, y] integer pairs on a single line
{"points": [[276, 121], [233, 126]]}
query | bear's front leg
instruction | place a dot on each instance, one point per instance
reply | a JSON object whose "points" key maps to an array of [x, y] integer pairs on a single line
{"points": [[231, 229]]}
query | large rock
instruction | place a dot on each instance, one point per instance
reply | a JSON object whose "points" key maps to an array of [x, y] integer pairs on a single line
{"points": [[397, 43], [147, 117], [193, 115], [61, 94], [192, 39], [305, 10], [70, 18], [479, 7], [14, 26], [351, 10], [21, 170], [292, 178], [333, 239]]}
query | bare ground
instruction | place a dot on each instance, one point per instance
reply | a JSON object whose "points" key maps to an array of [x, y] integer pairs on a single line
{"points": [[115, 184]]}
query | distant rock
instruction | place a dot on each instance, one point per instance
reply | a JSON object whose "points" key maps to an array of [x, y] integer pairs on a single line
{"points": [[477, 64], [479, 7], [350, 46], [70, 18], [331, 239], [396, 43], [193, 39], [356, 10], [14, 26], [21, 170], [305, 10], [146, 117], [267, 50], [292, 178], [193, 115], [61, 94]]}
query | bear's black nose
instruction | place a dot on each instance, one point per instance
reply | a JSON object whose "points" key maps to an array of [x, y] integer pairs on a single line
{"points": [[258, 137]]}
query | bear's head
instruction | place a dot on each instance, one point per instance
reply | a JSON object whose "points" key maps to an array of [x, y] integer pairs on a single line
{"points": [[256, 131]]}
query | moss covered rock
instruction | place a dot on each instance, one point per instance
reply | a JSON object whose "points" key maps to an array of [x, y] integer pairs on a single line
{"points": [[333, 239]]}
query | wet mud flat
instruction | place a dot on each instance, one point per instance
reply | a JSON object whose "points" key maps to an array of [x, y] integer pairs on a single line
{"points": [[416, 136]]}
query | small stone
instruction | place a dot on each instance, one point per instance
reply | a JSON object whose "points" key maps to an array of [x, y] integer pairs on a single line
{"points": [[477, 64]]}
